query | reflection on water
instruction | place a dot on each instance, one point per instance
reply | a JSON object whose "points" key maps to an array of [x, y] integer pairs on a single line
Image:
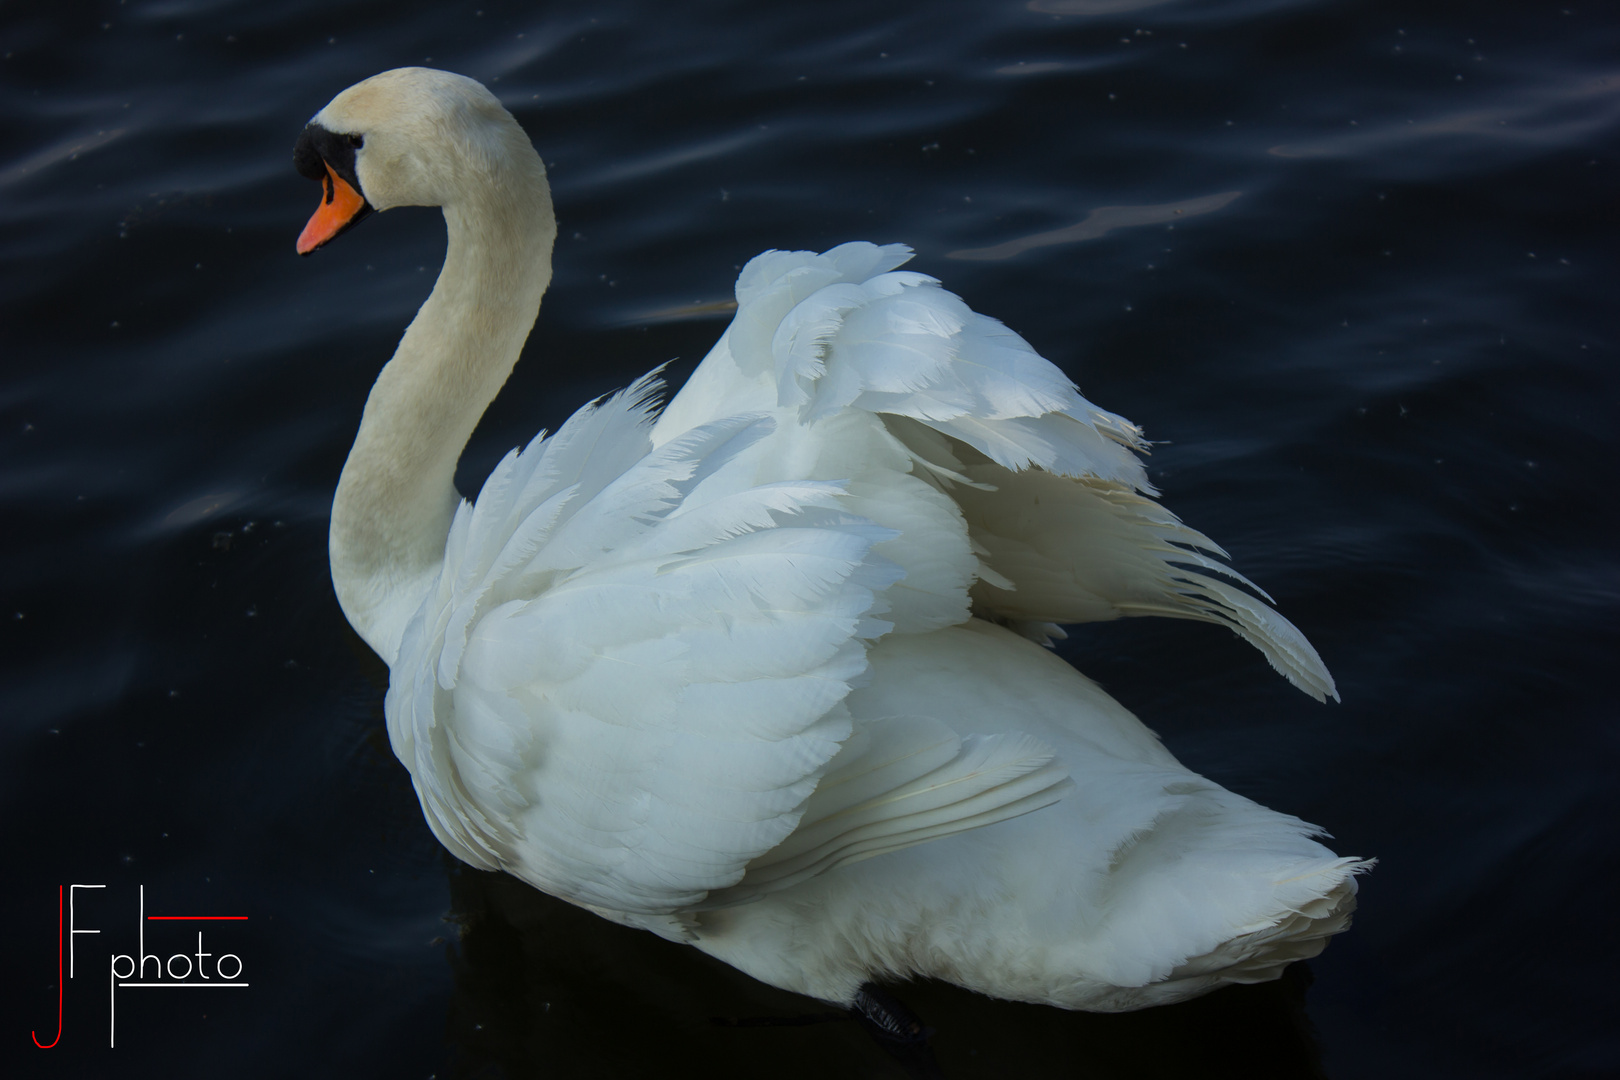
{"points": [[1100, 222], [1093, 7], [67, 150], [1558, 113]]}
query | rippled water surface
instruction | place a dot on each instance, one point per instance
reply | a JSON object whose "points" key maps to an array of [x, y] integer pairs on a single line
{"points": [[1353, 264]]}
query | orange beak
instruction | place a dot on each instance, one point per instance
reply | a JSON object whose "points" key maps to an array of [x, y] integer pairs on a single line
{"points": [[340, 208]]}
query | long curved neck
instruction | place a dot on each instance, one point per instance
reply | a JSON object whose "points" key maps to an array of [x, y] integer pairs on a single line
{"points": [[397, 495]]}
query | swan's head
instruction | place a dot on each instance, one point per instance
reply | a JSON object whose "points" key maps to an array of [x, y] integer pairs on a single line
{"points": [[407, 137]]}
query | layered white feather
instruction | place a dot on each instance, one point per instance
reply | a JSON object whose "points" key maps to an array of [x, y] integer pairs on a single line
{"points": [[620, 693], [901, 781], [678, 613], [1081, 550], [894, 342], [1050, 518]]}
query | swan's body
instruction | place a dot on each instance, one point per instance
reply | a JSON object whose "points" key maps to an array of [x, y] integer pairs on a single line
{"points": [[755, 673]]}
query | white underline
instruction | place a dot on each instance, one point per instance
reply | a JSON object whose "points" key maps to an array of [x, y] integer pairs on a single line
{"points": [[205, 985]]}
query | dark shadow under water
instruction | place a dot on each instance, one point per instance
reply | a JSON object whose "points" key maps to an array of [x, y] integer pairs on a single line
{"points": [[545, 988]]}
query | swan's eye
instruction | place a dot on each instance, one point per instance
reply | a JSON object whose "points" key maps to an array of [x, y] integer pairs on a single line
{"points": [[357, 141]]}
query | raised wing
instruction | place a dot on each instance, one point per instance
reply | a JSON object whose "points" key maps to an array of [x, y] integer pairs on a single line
{"points": [[1054, 496]]}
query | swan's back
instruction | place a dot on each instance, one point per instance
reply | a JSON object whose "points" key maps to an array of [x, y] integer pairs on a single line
{"points": [[697, 670], [1146, 884]]}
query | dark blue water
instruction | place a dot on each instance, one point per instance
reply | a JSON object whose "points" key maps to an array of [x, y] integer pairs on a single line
{"points": [[1377, 345]]}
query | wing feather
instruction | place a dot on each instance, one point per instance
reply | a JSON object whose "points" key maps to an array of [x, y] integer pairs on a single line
{"points": [[903, 781], [627, 683], [1054, 497], [654, 710]]}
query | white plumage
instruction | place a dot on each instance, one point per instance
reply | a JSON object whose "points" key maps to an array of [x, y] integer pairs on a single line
{"points": [[754, 672]]}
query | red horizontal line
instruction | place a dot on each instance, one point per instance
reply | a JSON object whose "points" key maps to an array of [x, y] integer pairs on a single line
{"points": [[187, 917]]}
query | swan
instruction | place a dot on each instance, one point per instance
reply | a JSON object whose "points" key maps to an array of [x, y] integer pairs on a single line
{"points": [[763, 671]]}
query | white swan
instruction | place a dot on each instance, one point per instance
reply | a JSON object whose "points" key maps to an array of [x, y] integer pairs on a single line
{"points": [[756, 673]]}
